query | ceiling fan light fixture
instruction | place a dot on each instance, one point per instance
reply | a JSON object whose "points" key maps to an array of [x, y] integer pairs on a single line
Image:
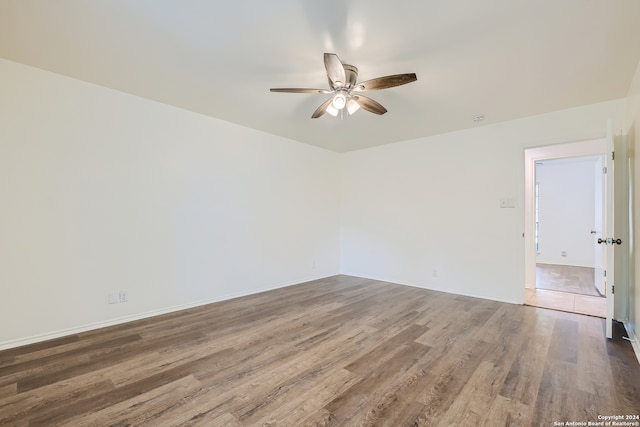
{"points": [[332, 110], [339, 101], [352, 106]]}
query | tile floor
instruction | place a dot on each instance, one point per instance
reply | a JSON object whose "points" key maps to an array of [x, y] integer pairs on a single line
{"points": [[581, 304]]}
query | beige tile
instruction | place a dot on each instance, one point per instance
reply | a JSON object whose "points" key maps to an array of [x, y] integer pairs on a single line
{"points": [[594, 306], [555, 300], [582, 304]]}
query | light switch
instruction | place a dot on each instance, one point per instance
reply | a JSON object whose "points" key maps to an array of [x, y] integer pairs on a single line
{"points": [[508, 202]]}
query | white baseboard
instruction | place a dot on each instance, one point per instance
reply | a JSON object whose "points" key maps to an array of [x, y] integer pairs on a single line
{"points": [[633, 339], [112, 322], [430, 288]]}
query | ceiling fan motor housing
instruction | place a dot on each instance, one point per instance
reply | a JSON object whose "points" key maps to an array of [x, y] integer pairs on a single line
{"points": [[351, 74]]}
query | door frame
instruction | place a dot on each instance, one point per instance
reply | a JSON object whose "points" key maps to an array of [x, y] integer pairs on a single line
{"points": [[591, 147]]}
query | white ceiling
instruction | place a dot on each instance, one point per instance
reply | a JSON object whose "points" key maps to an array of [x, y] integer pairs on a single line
{"points": [[502, 58]]}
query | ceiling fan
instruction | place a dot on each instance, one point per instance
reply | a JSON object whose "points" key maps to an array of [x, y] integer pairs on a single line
{"points": [[346, 90]]}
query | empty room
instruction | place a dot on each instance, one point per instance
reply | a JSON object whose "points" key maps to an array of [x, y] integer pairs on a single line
{"points": [[303, 213]]}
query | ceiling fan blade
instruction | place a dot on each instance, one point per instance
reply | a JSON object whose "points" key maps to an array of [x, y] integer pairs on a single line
{"points": [[370, 105], [335, 70], [298, 90], [386, 82], [321, 109]]}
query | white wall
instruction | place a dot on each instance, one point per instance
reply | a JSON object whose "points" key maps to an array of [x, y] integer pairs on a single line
{"points": [[426, 212], [102, 191], [567, 211], [633, 144]]}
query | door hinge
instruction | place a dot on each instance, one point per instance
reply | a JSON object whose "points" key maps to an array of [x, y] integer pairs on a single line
{"points": [[604, 273], [613, 155], [613, 289], [604, 169]]}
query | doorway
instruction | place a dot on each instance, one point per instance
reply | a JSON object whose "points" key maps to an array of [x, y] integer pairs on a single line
{"points": [[564, 262], [568, 219]]}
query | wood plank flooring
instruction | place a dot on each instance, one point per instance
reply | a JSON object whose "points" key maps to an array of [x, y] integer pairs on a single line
{"points": [[338, 351], [566, 278]]}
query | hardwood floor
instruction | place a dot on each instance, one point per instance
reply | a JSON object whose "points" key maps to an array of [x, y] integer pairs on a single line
{"points": [[566, 278], [566, 288], [337, 351]]}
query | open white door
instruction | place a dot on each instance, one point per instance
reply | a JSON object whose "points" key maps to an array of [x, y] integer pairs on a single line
{"points": [[608, 240], [598, 225]]}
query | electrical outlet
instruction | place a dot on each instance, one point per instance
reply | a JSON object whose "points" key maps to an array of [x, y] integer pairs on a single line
{"points": [[563, 253], [113, 298], [124, 296]]}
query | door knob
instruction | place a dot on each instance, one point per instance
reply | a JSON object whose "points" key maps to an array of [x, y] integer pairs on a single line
{"points": [[609, 241]]}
